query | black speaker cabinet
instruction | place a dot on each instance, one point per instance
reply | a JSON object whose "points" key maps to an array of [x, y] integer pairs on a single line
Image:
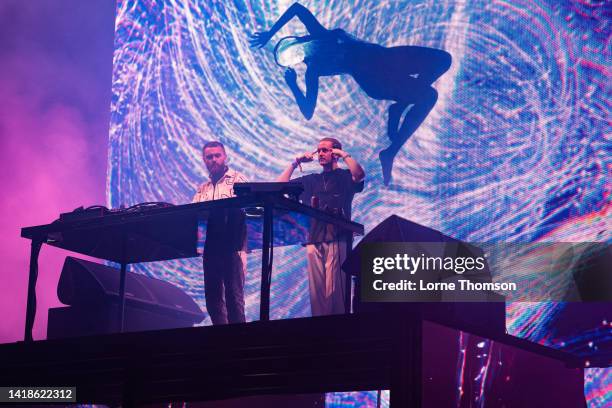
{"points": [[92, 292], [489, 314]]}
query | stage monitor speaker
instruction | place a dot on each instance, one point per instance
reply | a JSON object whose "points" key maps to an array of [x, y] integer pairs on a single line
{"points": [[397, 229], [462, 313], [89, 320], [592, 273], [89, 285]]}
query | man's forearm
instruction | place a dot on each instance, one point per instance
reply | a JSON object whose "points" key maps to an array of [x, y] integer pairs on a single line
{"points": [[286, 174], [355, 168]]}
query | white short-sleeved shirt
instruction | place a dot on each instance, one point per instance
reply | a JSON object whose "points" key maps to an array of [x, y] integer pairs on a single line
{"points": [[223, 189]]}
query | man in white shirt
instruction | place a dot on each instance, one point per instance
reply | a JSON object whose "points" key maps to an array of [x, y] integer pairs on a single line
{"points": [[224, 258]]}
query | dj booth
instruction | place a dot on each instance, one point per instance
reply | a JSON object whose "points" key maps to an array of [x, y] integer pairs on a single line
{"points": [[145, 234]]}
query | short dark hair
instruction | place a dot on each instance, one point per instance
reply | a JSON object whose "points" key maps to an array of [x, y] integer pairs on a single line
{"points": [[335, 142], [212, 143]]}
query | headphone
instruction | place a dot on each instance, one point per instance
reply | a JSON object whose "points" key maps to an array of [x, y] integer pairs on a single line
{"points": [[278, 45]]}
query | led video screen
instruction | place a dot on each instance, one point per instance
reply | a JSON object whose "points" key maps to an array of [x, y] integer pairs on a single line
{"points": [[487, 121]]}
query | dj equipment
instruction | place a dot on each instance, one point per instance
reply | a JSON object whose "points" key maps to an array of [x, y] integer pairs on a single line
{"points": [[291, 189], [95, 211]]}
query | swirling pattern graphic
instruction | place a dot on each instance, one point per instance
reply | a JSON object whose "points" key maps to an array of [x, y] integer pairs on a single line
{"points": [[515, 149]]}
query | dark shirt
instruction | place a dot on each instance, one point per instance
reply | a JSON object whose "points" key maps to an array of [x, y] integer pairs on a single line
{"points": [[225, 231], [335, 191]]}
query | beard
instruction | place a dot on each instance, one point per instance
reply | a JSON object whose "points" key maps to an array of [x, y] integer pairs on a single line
{"points": [[216, 168]]}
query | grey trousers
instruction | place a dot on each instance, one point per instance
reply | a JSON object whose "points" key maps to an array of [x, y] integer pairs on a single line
{"points": [[326, 280], [224, 275]]}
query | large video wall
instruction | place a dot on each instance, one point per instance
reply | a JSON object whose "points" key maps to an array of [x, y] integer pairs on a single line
{"points": [[515, 148]]}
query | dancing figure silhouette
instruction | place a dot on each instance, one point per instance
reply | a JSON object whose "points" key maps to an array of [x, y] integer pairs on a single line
{"points": [[402, 74]]}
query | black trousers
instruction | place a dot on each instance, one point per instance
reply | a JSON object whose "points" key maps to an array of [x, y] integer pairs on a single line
{"points": [[224, 275]]}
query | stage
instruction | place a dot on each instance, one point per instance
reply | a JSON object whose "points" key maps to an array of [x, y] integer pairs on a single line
{"points": [[484, 121], [396, 351]]}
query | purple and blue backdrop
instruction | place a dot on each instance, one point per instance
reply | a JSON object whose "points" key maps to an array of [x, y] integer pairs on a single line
{"points": [[516, 148]]}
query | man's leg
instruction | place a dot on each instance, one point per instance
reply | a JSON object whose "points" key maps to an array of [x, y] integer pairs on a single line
{"points": [[233, 278], [335, 278], [319, 303], [213, 289]]}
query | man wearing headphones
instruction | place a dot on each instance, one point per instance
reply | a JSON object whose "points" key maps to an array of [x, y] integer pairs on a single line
{"points": [[331, 190]]}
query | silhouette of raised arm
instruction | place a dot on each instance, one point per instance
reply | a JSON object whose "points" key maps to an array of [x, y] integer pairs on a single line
{"points": [[307, 101], [260, 39]]}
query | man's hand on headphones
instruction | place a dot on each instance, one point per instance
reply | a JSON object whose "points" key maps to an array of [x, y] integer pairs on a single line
{"points": [[340, 153], [305, 158]]}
